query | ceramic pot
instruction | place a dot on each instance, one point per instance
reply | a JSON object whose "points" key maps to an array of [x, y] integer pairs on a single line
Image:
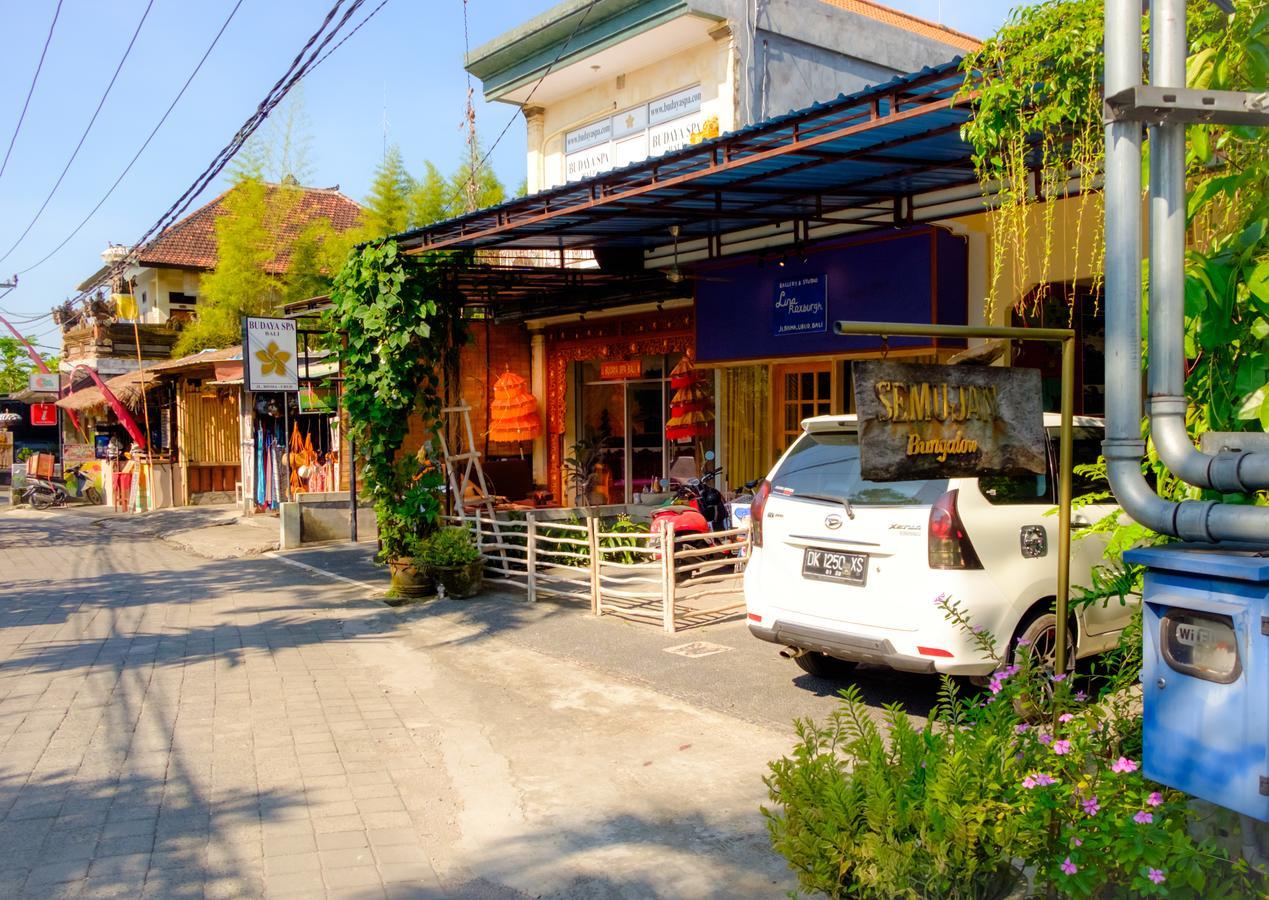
{"points": [[408, 581], [462, 581]]}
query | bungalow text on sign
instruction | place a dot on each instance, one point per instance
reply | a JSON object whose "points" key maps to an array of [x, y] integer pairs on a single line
{"points": [[918, 421]]}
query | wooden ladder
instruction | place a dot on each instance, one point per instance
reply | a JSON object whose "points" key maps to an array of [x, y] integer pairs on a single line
{"points": [[463, 471]]}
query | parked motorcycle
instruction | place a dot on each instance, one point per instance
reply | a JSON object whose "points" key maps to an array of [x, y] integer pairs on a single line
{"points": [[697, 510], [43, 493]]}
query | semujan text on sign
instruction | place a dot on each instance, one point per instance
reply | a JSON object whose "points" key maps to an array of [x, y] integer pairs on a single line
{"points": [[921, 421]]}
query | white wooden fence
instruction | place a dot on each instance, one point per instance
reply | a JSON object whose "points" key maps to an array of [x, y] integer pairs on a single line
{"points": [[672, 580]]}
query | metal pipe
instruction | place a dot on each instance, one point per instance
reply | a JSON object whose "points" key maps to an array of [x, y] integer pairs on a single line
{"points": [[1236, 472], [1123, 448]]}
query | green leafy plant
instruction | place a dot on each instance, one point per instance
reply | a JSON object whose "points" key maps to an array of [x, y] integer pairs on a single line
{"points": [[398, 329], [1031, 789], [638, 549], [581, 466], [408, 508], [447, 548]]}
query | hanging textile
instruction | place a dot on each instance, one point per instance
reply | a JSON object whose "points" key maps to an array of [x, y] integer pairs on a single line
{"points": [[691, 407]]}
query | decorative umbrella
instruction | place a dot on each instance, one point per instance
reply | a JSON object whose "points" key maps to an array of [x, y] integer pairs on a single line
{"points": [[513, 414], [684, 373]]}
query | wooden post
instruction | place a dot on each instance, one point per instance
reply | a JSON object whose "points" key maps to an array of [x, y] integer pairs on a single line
{"points": [[667, 578], [531, 555], [592, 535]]}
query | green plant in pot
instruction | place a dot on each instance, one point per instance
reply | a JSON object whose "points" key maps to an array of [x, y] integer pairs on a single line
{"points": [[452, 557], [407, 515]]}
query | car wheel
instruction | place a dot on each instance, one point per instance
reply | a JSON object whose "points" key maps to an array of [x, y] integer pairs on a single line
{"points": [[821, 665], [1039, 631]]}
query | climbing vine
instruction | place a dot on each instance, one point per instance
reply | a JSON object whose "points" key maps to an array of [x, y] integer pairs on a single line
{"points": [[398, 329], [1036, 130]]}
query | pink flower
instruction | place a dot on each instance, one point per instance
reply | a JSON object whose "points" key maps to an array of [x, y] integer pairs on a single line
{"points": [[1022, 728], [1143, 817], [1157, 876], [1123, 764], [1045, 739], [1090, 806], [1060, 676], [1076, 842], [1155, 799], [1080, 696], [1069, 867], [1029, 782], [1065, 717], [1023, 642], [1062, 747], [1044, 780]]}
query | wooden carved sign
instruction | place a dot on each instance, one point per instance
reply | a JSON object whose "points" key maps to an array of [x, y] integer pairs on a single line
{"points": [[919, 421]]}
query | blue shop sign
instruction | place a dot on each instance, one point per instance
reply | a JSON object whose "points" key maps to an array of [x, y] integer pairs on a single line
{"points": [[801, 305]]}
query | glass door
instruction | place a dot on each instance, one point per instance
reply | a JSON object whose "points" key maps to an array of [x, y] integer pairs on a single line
{"points": [[800, 392], [624, 417]]}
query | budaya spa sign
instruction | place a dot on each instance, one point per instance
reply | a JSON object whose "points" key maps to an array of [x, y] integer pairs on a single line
{"points": [[269, 355], [918, 421]]}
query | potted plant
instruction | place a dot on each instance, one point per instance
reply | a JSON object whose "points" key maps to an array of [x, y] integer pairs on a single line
{"points": [[407, 514], [452, 557]]}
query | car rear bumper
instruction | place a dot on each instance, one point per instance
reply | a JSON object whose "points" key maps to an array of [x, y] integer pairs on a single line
{"points": [[843, 645]]}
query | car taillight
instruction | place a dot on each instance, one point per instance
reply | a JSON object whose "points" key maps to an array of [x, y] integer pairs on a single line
{"points": [[756, 509], [950, 547]]}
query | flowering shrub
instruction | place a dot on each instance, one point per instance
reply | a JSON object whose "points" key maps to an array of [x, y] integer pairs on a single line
{"points": [[1031, 785]]}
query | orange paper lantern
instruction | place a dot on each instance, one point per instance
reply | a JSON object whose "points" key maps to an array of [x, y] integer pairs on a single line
{"points": [[513, 414]]}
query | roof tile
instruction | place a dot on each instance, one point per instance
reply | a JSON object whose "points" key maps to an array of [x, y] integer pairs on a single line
{"points": [[908, 22], [191, 242]]}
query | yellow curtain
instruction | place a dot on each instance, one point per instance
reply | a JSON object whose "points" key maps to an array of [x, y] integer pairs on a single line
{"points": [[746, 423]]}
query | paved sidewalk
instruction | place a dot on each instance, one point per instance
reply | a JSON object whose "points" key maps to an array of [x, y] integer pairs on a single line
{"points": [[173, 726], [217, 531]]}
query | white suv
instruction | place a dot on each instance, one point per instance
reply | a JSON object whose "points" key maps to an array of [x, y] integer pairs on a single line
{"points": [[845, 570]]}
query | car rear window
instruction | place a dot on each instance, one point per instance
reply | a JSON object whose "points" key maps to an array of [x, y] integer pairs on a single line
{"points": [[827, 462]]}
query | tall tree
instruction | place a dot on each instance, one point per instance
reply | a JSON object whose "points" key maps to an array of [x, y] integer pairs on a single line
{"points": [[432, 197], [387, 209], [240, 284]]}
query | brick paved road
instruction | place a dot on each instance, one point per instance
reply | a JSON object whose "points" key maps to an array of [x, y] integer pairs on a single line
{"points": [[172, 726]]}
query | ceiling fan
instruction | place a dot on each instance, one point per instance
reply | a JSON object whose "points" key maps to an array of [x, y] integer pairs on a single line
{"points": [[674, 274]]}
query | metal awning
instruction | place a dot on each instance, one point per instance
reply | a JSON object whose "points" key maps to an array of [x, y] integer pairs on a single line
{"points": [[888, 155]]}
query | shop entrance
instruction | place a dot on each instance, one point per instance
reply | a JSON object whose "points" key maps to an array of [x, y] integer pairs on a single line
{"points": [[623, 410]]}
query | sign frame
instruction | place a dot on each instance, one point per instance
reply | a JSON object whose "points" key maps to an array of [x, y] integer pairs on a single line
{"points": [[931, 421], [43, 415], [1066, 443], [270, 354], [44, 382]]}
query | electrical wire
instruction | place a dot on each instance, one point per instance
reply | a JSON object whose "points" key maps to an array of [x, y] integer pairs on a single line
{"points": [[31, 90], [300, 66], [137, 155], [558, 56], [368, 17], [83, 137]]}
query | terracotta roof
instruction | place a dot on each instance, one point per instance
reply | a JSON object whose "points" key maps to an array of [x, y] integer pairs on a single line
{"points": [[908, 22], [191, 242]]}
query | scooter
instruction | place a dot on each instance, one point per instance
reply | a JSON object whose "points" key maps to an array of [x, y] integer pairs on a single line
{"points": [[696, 511], [42, 493]]}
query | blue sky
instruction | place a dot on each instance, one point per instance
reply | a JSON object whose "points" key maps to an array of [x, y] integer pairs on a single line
{"points": [[405, 63]]}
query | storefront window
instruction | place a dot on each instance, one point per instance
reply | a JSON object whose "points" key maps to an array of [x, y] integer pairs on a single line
{"points": [[801, 391]]}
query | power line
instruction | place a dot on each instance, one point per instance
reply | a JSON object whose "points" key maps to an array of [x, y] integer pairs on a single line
{"points": [[300, 66], [558, 56], [137, 155], [83, 137], [31, 90], [368, 17]]}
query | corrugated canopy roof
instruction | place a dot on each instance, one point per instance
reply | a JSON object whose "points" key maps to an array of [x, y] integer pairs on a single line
{"points": [[887, 155]]}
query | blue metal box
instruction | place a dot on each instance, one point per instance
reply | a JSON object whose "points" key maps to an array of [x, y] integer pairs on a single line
{"points": [[1205, 673]]}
